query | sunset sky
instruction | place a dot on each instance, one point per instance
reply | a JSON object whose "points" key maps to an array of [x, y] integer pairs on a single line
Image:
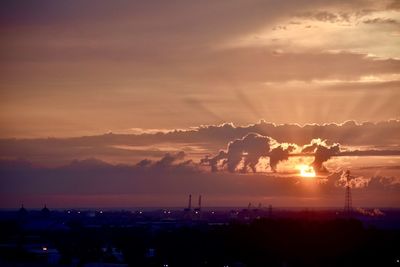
{"points": [[140, 103]]}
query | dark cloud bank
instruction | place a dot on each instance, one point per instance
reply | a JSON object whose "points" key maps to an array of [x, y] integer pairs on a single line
{"points": [[173, 175]]}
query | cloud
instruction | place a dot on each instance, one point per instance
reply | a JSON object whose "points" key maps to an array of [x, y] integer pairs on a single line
{"points": [[322, 152], [374, 183], [242, 154], [393, 5], [169, 184], [190, 46], [365, 85], [279, 154], [215, 162], [144, 163], [372, 213], [133, 28], [260, 64], [170, 175], [352, 181], [326, 16], [379, 138], [168, 161], [380, 21], [125, 49], [373, 152], [245, 153], [385, 181], [93, 175]]}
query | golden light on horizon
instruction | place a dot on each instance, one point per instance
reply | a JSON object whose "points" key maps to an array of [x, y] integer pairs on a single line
{"points": [[306, 170]]}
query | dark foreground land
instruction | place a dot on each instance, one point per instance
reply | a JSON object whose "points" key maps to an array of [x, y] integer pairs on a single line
{"points": [[168, 238]]}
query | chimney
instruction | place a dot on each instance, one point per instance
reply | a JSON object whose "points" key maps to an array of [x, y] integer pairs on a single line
{"points": [[200, 202]]}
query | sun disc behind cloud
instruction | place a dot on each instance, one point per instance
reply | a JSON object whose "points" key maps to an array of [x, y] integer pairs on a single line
{"points": [[306, 170]]}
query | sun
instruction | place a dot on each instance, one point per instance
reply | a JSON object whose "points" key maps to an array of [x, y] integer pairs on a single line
{"points": [[306, 170]]}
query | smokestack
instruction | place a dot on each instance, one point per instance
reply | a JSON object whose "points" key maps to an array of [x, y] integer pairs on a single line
{"points": [[190, 202], [200, 202]]}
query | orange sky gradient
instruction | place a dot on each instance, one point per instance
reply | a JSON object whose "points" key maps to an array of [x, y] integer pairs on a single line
{"points": [[116, 103], [71, 69]]}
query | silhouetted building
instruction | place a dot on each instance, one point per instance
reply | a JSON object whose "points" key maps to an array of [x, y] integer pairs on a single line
{"points": [[45, 211], [22, 211]]}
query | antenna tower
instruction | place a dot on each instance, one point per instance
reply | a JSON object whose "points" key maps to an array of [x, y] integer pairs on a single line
{"points": [[348, 209]]}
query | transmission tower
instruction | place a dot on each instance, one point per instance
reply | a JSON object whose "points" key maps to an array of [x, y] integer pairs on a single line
{"points": [[348, 209]]}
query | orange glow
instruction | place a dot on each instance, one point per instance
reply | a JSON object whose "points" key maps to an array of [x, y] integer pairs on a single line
{"points": [[306, 170]]}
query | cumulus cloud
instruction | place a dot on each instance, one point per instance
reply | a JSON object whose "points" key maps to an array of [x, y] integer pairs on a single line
{"points": [[322, 152], [169, 158], [280, 153], [242, 154], [215, 162]]}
